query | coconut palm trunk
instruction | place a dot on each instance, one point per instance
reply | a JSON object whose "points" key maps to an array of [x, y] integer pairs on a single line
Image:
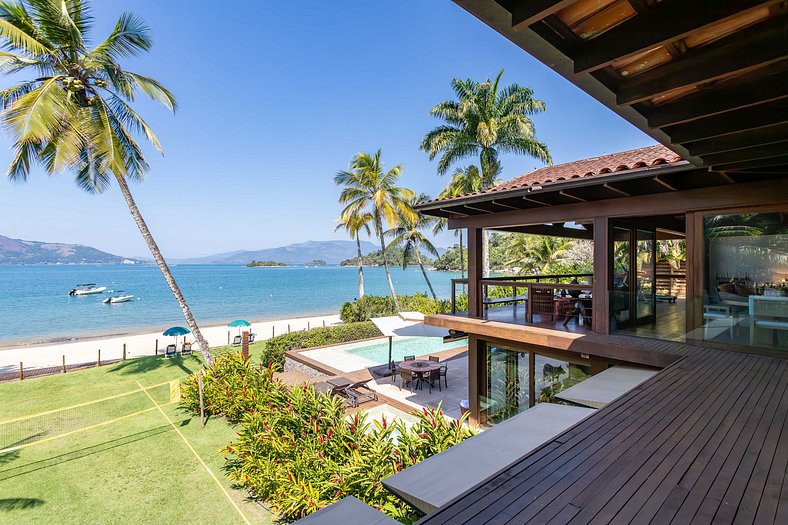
{"points": [[360, 269], [485, 253], [379, 227], [165, 269], [424, 272]]}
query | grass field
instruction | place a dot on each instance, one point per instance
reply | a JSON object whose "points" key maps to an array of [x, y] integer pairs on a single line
{"points": [[135, 470]]}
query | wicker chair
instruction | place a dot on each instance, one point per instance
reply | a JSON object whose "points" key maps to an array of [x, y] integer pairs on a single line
{"points": [[409, 358], [406, 376], [432, 377], [434, 358]]}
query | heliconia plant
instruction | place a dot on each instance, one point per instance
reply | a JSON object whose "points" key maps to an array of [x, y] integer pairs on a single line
{"points": [[299, 450]]}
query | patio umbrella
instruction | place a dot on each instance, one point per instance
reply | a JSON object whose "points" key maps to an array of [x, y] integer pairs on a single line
{"points": [[239, 323], [176, 331]]}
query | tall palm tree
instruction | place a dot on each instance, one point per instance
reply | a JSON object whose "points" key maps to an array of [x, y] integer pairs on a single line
{"points": [[75, 114], [464, 181], [537, 252], [485, 121], [354, 224], [408, 235], [369, 188]]}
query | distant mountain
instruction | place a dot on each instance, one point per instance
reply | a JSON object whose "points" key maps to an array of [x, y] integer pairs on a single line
{"points": [[332, 252], [18, 251]]}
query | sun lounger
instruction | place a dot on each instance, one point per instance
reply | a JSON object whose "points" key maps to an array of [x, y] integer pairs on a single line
{"points": [[170, 351], [237, 340], [187, 349], [359, 393]]}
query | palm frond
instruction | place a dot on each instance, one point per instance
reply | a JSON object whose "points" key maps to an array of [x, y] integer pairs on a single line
{"points": [[40, 114], [17, 37], [130, 37], [154, 90], [24, 156]]}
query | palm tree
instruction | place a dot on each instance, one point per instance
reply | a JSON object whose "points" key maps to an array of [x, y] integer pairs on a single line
{"points": [[353, 224], [369, 188], [464, 181], [537, 252], [75, 114], [485, 121], [408, 235]]}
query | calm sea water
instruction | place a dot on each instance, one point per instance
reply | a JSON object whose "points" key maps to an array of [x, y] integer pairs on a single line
{"points": [[35, 306]]}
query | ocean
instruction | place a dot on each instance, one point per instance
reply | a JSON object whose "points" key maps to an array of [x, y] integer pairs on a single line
{"points": [[35, 305]]}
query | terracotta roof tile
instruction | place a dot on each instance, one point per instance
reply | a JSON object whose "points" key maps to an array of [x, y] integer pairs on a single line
{"points": [[602, 165]]}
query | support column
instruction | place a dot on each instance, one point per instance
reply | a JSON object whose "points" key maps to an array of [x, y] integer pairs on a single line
{"points": [[694, 276], [476, 374], [601, 288], [475, 266]]}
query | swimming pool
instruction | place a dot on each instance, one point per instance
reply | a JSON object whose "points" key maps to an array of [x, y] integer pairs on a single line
{"points": [[365, 354]]}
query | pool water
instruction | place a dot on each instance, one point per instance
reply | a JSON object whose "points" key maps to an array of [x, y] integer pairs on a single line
{"points": [[366, 354]]}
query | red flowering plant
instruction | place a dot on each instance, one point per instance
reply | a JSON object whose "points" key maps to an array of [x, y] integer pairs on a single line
{"points": [[300, 450]]}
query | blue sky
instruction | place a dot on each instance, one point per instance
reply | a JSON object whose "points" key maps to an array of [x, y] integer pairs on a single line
{"points": [[275, 97]]}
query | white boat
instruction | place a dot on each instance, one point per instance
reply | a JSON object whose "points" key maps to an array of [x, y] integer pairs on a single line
{"points": [[87, 289], [118, 299]]}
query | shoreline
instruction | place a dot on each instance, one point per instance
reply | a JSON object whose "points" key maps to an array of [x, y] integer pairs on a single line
{"points": [[143, 330], [140, 343]]}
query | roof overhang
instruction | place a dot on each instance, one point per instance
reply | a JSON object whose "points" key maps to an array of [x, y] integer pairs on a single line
{"points": [[722, 104]]}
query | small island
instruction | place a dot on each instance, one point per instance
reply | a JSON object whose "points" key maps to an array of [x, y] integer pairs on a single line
{"points": [[316, 262], [265, 263]]}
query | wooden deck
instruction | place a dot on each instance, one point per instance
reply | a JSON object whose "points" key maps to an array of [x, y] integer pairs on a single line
{"points": [[697, 443]]}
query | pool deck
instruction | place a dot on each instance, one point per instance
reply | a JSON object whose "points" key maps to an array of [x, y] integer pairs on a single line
{"points": [[390, 393]]}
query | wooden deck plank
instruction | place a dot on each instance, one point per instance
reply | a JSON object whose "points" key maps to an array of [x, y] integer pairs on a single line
{"points": [[665, 498], [653, 456]]}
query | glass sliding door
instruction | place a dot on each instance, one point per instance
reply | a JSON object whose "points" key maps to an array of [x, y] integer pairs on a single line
{"points": [[645, 282], [507, 385], [621, 265]]}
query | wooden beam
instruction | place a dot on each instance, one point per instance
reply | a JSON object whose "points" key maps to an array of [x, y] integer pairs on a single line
{"points": [[600, 319], [723, 196], [526, 13], [616, 190], [565, 194], [475, 267], [781, 160], [747, 50], [756, 137], [755, 153], [747, 119], [505, 205], [727, 178], [553, 231], [531, 199], [477, 209], [665, 184], [716, 99], [664, 22]]}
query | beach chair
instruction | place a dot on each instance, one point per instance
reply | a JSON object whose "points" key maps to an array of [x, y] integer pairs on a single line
{"points": [[251, 338], [170, 351], [359, 393], [187, 349], [337, 387], [237, 340]]}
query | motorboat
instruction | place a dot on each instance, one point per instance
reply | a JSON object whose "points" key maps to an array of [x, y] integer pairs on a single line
{"points": [[87, 289], [118, 298]]}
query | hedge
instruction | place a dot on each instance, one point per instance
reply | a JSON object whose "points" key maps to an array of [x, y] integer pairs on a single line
{"points": [[275, 348], [370, 306]]}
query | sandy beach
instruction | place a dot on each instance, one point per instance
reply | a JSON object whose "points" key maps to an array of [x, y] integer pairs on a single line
{"points": [[139, 344]]}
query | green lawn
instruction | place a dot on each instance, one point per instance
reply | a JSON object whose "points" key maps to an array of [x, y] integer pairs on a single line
{"points": [[135, 470]]}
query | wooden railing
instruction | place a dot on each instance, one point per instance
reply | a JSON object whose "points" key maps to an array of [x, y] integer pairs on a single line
{"points": [[523, 282]]}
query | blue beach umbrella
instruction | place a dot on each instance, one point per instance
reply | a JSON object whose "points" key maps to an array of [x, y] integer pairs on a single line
{"points": [[176, 331], [239, 323]]}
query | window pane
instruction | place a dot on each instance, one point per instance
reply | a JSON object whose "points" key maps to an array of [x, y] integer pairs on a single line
{"points": [[746, 292], [554, 375], [507, 384]]}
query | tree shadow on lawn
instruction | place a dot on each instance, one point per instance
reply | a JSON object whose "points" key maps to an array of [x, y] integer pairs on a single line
{"points": [[9, 504], [81, 453], [141, 365]]}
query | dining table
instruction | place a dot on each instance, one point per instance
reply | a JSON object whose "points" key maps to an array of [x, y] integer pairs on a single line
{"points": [[420, 367]]}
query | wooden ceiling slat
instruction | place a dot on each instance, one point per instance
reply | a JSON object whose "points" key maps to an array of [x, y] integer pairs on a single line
{"points": [[767, 135], [732, 122], [526, 13], [714, 100], [664, 22], [755, 153], [756, 47], [751, 164]]}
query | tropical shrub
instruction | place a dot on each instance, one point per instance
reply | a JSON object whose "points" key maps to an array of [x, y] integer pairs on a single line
{"points": [[275, 348], [370, 306], [299, 450]]}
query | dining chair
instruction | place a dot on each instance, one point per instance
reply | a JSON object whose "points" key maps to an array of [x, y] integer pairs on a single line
{"points": [[406, 376], [444, 369], [409, 358], [434, 359], [431, 377]]}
